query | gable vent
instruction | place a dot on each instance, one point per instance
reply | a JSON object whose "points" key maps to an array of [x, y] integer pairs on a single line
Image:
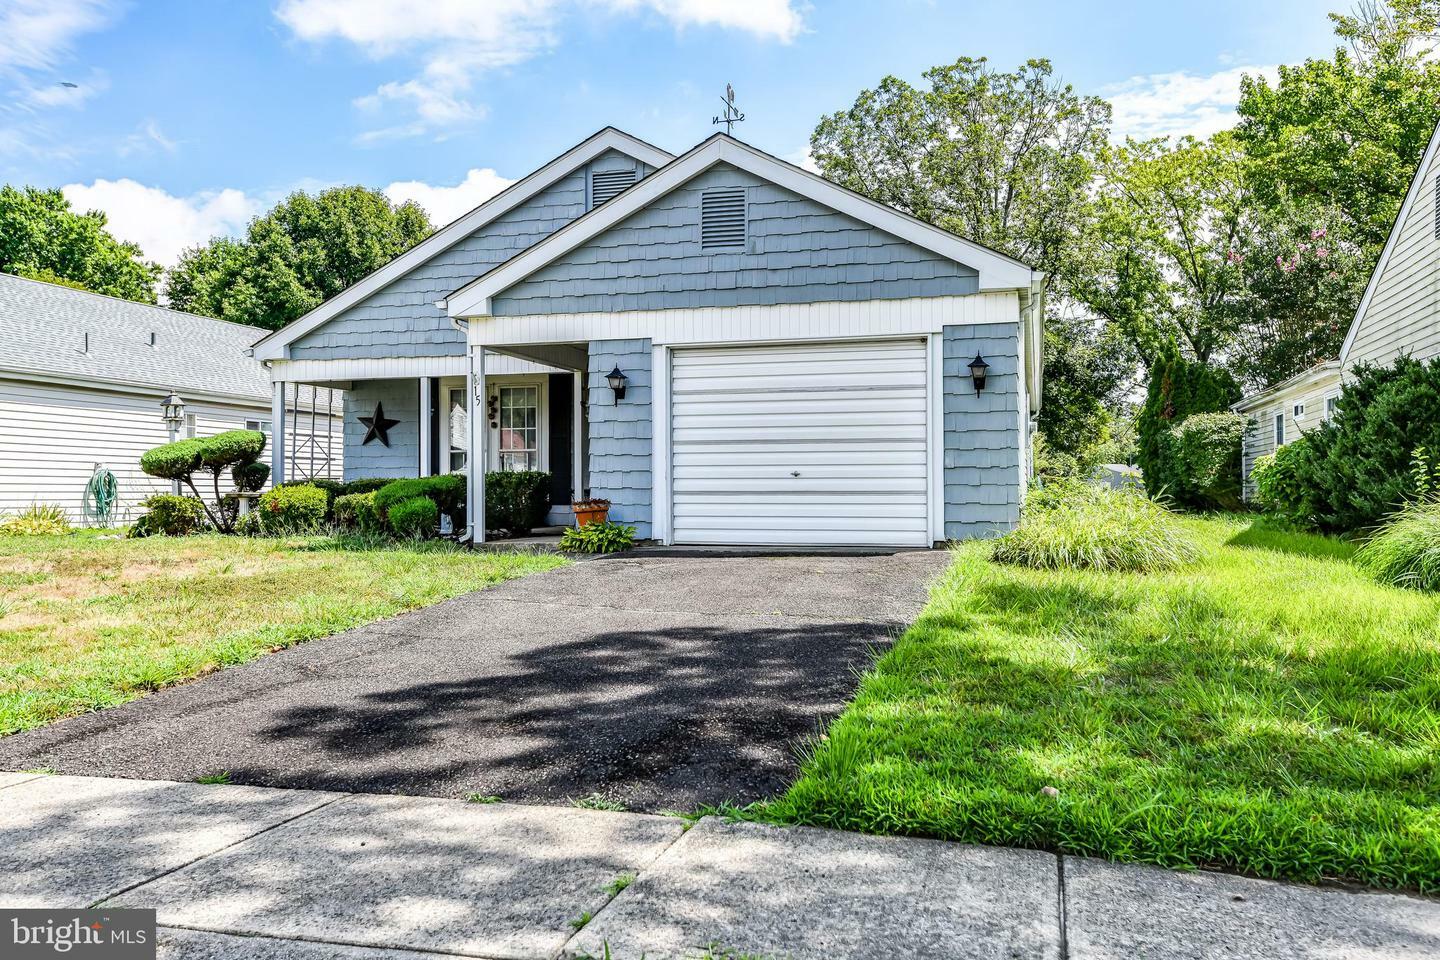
{"points": [[722, 219], [605, 184]]}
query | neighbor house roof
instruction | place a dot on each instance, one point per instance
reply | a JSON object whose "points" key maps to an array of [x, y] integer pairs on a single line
{"points": [[275, 345], [1312, 375], [54, 332]]}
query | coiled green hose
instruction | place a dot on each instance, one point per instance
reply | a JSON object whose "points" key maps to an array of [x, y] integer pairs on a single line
{"points": [[100, 495]]}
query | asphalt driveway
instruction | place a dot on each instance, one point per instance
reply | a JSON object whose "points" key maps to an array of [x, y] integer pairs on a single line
{"points": [[656, 682]]}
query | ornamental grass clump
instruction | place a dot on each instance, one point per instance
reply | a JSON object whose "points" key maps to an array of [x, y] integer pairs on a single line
{"points": [[1406, 551], [1073, 526]]}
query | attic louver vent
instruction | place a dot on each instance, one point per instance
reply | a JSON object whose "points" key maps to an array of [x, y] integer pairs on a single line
{"points": [[722, 219], [605, 184]]}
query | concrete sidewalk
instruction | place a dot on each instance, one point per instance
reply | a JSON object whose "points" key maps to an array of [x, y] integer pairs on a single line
{"points": [[263, 873]]}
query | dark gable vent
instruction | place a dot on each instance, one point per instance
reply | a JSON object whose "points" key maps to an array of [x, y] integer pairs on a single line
{"points": [[605, 184], [722, 219]]}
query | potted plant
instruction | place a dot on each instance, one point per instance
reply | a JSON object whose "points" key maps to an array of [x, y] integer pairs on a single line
{"points": [[593, 510]]}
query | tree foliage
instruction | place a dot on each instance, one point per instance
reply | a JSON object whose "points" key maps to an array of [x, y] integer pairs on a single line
{"points": [[42, 238], [183, 460], [301, 253], [1179, 387]]}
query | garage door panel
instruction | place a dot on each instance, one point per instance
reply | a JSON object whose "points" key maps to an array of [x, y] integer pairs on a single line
{"points": [[814, 444]]}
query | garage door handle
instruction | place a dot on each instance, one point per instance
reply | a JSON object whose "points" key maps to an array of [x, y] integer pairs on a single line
{"points": [[794, 473]]}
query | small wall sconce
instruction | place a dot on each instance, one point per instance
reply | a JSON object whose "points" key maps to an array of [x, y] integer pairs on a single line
{"points": [[617, 383], [978, 368]]}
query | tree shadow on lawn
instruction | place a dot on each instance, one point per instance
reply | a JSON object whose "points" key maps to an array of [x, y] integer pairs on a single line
{"points": [[1264, 533], [654, 719]]}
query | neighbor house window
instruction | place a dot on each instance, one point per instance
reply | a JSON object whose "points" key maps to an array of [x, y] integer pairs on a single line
{"points": [[519, 416], [1299, 410], [1279, 429], [1330, 404], [261, 425], [189, 425]]}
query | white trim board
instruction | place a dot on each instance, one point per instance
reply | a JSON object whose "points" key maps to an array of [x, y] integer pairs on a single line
{"points": [[997, 271], [831, 320], [99, 384], [276, 345], [1410, 195], [398, 368]]}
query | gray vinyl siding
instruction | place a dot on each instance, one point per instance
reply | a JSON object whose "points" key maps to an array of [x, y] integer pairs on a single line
{"points": [[982, 434], [798, 251], [1403, 315], [620, 433], [401, 399], [401, 319], [1260, 434]]}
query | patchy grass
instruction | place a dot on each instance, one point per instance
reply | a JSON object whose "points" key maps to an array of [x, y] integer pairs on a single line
{"points": [[88, 622], [215, 779], [598, 801], [1268, 709], [481, 798], [618, 885]]}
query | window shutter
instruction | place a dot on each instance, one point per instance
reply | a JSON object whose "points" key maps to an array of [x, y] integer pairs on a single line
{"points": [[605, 184], [722, 219]]}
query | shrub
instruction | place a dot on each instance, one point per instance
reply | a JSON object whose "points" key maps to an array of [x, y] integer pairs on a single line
{"points": [[249, 525], [415, 519], [230, 448], [516, 500], [249, 477], [170, 516], [446, 491], [1277, 484], [1084, 526], [1204, 453], [355, 512], [1406, 551], [173, 461], [1357, 467], [607, 537], [183, 459], [364, 485], [291, 509], [1178, 388], [332, 488], [36, 520]]}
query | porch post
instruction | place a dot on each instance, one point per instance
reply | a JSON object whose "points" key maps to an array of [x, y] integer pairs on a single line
{"points": [[278, 430], [577, 438], [475, 457], [425, 439]]}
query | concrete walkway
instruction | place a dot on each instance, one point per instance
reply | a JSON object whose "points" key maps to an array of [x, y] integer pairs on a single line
{"points": [[251, 872]]}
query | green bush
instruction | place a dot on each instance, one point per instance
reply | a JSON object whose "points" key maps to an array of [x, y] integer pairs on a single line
{"points": [[415, 519], [1204, 453], [230, 448], [36, 520], [332, 488], [1085, 526], [287, 510], [250, 477], [364, 485], [1277, 484], [1178, 388], [516, 500], [1406, 551], [249, 525], [446, 491], [607, 537], [170, 516], [183, 459], [355, 512], [173, 461]]}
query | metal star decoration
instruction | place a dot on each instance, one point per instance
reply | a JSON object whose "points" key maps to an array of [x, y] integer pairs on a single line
{"points": [[377, 426]]}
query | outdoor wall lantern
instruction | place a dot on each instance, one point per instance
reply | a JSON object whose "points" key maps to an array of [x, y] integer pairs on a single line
{"points": [[617, 383], [978, 366]]}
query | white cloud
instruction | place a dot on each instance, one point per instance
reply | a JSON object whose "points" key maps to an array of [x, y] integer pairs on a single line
{"points": [[445, 204], [162, 224], [803, 158], [34, 34], [1174, 104], [456, 41], [146, 138]]}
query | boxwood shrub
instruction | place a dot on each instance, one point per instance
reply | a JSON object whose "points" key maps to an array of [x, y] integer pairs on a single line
{"points": [[417, 518], [446, 491], [355, 512], [516, 500], [292, 509]]}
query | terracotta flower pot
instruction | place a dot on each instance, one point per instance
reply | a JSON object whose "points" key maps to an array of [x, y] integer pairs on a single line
{"points": [[590, 511]]}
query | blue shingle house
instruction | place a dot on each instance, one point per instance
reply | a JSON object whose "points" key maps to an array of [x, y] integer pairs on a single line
{"points": [[729, 348]]}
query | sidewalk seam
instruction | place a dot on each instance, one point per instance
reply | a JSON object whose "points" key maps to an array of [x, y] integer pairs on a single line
{"points": [[330, 943], [16, 783], [1063, 918], [165, 873]]}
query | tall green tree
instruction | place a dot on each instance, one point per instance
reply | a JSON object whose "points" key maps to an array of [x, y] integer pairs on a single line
{"points": [[1006, 160], [1179, 387], [42, 238], [304, 251]]}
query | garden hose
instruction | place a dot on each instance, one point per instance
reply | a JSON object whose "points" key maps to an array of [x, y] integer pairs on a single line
{"points": [[100, 495]]}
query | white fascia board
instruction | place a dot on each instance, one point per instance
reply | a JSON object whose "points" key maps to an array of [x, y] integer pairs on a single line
{"points": [[276, 345], [997, 271], [85, 381], [1306, 378], [1411, 194]]}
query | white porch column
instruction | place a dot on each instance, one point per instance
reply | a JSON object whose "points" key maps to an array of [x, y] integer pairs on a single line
{"points": [[425, 439], [279, 427], [475, 455], [577, 438]]}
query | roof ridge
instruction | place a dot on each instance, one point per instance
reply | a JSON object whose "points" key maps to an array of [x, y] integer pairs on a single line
{"points": [[130, 303]]}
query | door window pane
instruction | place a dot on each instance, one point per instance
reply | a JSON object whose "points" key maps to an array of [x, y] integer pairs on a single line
{"points": [[459, 428], [519, 428]]}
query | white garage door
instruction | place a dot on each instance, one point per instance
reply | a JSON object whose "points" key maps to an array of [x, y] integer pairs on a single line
{"points": [[814, 444]]}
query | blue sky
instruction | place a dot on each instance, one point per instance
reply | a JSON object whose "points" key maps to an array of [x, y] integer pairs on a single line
{"points": [[187, 118]]}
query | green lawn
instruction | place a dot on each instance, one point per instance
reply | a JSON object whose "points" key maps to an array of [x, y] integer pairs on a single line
{"points": [[1267, 710], [87, 622]]}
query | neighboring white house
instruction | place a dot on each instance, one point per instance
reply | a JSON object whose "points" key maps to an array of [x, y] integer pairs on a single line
{"points": [[82, 377], [1398, 315], [793, 360]]}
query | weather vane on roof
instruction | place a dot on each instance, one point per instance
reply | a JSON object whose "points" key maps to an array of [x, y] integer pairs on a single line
{"points": [[731, 116]]}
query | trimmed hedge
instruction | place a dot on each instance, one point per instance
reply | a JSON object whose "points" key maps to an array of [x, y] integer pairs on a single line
{"points": [[516, 500], [249, 477], [446, 491], [173, 461], [356, 512], [417, 518], [364, 485], [292, 509], [1179, 387], [230, 448]]}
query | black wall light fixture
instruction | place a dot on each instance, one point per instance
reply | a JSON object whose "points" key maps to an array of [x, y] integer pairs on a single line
{"points": [[978, 368], [617, 383]]}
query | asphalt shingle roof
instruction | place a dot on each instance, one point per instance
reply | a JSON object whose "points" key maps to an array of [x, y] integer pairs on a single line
{"points": [[43, 328]]}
